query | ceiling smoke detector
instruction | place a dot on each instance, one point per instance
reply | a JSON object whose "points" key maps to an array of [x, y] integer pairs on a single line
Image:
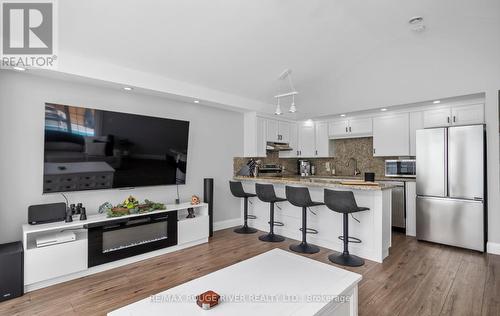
{"points": [[417, 24]]}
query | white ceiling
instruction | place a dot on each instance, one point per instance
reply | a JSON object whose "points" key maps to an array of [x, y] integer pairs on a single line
{"points": [[241, 47]]}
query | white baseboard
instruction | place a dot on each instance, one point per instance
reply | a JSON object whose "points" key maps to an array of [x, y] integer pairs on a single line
{"points": [[493, 248], [227, 224]]}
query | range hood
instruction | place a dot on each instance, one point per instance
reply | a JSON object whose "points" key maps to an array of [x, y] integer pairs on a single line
{"points": [[275, 146]]}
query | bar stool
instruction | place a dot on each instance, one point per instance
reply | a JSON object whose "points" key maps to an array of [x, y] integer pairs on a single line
{"points": [[265, 193], [299, 196], [345, 203], [237, 190]]}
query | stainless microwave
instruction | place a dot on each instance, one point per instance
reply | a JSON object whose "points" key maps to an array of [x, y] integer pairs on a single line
{"points": [[405, 168]]}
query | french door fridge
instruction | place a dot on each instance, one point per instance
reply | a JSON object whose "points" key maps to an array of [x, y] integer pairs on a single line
{"points": [[450, 186]]}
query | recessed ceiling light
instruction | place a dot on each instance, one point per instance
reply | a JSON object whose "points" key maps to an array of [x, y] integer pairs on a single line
{"points": [[128, 88], [383, 110], [196, 101], [417, 24], [436, 102], [342, 115], [19, 68]]}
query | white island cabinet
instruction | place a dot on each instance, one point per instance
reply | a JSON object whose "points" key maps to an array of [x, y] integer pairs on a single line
{"points": [[374, 228]]}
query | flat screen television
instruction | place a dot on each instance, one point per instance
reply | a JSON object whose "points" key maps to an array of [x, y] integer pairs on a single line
{"points": [[90, 149]]}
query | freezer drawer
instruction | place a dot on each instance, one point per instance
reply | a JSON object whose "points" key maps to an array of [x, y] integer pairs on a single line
{"points": [[451, 222]]}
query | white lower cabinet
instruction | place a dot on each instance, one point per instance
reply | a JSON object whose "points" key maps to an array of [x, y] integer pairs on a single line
{"points": [[391, 135], [192, 229], [50, 262], [411, 208]]}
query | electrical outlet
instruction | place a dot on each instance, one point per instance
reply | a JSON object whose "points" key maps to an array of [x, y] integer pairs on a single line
{"points": [[327, 166]]}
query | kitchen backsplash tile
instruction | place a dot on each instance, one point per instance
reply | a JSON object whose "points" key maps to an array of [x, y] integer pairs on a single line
{"points": [[359, 148]]}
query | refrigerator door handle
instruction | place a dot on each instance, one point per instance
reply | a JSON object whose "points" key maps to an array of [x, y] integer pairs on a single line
{"points": [[446, 174]]}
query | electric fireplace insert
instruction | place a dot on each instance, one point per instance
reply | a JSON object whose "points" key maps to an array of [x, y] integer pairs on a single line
{"points": [[126, 237]]}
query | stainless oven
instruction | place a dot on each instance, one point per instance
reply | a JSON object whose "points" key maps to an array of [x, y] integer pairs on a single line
{"points": [[403, 168]]}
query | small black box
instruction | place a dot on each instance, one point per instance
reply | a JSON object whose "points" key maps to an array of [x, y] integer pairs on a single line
{"points": [[11, 270], [46, 213]]}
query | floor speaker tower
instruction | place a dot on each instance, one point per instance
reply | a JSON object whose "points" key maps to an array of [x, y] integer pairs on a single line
{"points": [[208, 197], [11, 270]]}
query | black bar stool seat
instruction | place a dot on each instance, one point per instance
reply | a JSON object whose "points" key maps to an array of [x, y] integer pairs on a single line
{"points": [[237, 190], [300, 197], [265, 193], [345, 203]]}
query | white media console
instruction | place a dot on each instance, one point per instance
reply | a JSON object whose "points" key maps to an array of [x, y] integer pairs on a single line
{"points": [[45, 266]]}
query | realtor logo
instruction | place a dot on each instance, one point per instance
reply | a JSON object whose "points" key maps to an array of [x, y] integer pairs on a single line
{"points": [[28, 34]]}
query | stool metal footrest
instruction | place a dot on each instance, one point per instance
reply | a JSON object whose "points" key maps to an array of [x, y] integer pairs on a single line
{"points": [[350, 239], [310, 231], [279, 224], [251, 216]]}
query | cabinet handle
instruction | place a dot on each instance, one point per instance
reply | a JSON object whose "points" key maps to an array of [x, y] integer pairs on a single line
{"points": [[350, 129], [316, 152], [374, 151], [448, 119], [346, 130], [454, 118]]}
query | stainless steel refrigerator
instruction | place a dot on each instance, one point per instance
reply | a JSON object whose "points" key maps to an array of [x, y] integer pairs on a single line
{"points": [[451, 186]]}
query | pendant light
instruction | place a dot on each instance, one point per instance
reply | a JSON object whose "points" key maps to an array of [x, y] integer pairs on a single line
{"points": [[278, 108], [293, 108], [287, 74]]}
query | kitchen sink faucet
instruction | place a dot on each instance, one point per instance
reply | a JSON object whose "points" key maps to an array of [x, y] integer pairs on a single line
{"points": [[356, 170]]}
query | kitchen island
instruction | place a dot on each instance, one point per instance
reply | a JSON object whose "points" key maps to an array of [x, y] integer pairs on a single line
{"points": [[374, 227]]}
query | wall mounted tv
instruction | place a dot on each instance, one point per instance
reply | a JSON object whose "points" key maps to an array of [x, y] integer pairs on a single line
{"points": [[89, 149]]}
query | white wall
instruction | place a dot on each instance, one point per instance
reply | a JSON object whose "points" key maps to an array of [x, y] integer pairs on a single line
{"points": [[215, 138]]}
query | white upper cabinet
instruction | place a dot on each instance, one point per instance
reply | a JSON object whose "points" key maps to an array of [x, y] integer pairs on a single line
{"points": [[391, 136], [437, 117], [357, 127], [456, 115], [467, 114], [307, 142], [361, 127], [272, 130], [284, 132], [292, 141], [261, 137], [277, 131], [416, 123], [321, 139], [338, 129]]}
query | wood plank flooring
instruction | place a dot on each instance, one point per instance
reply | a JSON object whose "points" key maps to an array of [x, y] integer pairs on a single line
{"points": [[417, 278]]}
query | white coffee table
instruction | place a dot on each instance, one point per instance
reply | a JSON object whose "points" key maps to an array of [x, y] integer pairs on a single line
{"points": [[274, 283]]}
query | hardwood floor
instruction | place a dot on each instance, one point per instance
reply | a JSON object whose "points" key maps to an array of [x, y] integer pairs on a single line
{"points": [[417, 278]]}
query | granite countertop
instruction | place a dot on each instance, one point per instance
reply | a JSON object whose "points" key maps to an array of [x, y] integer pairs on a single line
{"points": [[395, 179], [326, 182]]}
